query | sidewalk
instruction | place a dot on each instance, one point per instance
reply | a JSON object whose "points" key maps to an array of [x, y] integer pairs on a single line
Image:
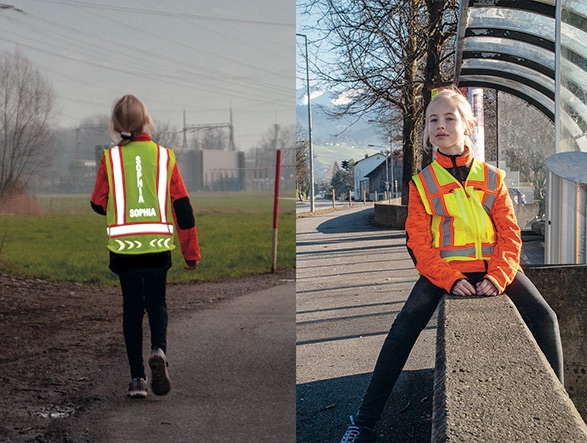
{"points": [[352, 280], [232, 372]]}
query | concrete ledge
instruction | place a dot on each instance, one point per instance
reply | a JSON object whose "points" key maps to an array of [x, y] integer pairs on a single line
{"points": [[392, 214], [492, 383], [564, 288]]}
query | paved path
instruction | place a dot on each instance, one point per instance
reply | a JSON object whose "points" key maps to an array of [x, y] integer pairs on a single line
{"points": [[233, 373], [352, 279]]}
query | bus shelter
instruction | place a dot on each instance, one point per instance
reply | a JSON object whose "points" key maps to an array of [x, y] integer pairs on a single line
{"points": [[535, 50]]}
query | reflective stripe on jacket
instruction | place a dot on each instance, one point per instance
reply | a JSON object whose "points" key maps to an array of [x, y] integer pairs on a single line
{"points": [[139, 215], [461, 227]]}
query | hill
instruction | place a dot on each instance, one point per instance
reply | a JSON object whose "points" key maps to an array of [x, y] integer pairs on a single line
{"points": [[326, 154], [327, 130]]}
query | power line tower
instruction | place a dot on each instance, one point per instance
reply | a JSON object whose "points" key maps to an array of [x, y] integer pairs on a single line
{"points": [[206, 126]]}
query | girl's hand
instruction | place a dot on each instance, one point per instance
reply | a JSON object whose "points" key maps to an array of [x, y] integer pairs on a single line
{"points": [[191, 265], [463, 287], [486, 287]]}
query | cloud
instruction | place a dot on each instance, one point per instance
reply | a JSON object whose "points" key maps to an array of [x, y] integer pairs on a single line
{"points": [[313, 95], [346, 97]]}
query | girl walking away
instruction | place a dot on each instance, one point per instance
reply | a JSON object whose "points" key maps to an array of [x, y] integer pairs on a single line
{"points": [[464, 239], [141, 192]]}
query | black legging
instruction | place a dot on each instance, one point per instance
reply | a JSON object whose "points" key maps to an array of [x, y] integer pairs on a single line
{"points": [[413, 318], [143, 289]]}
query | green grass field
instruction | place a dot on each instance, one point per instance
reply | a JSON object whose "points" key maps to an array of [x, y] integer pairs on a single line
{"points": [[68, 242]]}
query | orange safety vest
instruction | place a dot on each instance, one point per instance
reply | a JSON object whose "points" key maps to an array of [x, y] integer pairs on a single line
{"points": [[461, 225]]}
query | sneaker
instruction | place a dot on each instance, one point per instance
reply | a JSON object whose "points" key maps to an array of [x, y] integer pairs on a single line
{"points": [[359, 434], [160, 384], [137, 388]]}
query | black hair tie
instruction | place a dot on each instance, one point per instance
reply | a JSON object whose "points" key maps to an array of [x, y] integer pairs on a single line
{"points": [[125, 135]]}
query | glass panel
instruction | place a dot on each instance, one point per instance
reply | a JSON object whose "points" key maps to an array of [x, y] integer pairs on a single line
{"points": [[510, 68], [576, 6], [511, 47], [502, 18], [573, 77], [574, 39], [525, 141], [524, 89]]}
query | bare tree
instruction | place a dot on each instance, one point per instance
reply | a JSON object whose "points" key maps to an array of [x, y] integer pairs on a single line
{"points": [[166, 134], [388, 54], [526, 140], [302, 163], [213, 138], [26, 121], [342, 180], [262, 156]]}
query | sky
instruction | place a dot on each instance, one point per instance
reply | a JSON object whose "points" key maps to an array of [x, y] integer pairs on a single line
{"points": [[319, 53], [304, 27], [201, 56]]}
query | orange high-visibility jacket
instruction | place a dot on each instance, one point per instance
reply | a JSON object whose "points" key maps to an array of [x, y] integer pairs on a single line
{"points": [[455, 228], [188, 235]]}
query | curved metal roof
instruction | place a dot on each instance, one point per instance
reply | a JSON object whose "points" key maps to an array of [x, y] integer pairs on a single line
{"points": [[511, 46]]}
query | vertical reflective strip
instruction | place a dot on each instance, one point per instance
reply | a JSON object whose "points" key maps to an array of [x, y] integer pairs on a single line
{"points": [[437, 202], [162, 184], [447, 239], [118, 178], [430, 183], [489, 202], [492, 179]]}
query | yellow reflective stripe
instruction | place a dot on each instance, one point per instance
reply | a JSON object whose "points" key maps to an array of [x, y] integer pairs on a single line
{"points": [[140, 228]]}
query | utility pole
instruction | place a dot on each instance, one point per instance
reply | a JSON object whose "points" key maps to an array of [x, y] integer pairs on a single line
{"points": [[310, 145]]}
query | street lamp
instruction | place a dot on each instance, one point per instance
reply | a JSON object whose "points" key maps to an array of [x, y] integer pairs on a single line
{"points": [[310, 145]]}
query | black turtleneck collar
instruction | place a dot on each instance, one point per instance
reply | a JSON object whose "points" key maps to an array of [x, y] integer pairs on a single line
{"points": [[459, 165]]}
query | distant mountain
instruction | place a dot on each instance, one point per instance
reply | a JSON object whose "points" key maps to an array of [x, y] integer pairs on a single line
{"points": [[326, 130]]}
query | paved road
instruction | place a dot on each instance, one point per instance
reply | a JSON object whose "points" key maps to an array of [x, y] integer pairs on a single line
{"points": [[352, 279], [320, 204], [233, 375]]}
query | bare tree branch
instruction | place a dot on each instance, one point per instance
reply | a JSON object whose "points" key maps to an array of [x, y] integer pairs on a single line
{"points": [[389, 53], [26, 121]]}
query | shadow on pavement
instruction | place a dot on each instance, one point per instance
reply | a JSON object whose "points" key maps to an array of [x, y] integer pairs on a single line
{"points": [[324, 407], [353, 222]]}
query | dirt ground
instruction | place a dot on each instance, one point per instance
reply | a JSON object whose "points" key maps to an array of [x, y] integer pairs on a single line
{"points": [[59, 341]]}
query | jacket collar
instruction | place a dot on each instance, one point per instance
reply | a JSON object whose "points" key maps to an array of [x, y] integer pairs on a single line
{"points": [[142, 138], [448, 161]]}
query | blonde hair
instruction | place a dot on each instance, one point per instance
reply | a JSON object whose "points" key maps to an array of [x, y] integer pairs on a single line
{"points": [[130, 118], [454, 96]]}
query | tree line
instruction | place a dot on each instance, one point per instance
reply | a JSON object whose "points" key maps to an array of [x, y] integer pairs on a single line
{"points": [[35, 152]]}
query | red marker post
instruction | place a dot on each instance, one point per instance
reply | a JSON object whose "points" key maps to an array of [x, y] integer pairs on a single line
{"points": [[276, 209]]}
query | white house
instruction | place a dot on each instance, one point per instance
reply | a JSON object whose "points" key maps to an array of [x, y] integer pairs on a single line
{"points": [[362, 168]]}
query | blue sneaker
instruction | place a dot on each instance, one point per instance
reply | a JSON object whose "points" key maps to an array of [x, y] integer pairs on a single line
{"points": [[359, 434]]}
